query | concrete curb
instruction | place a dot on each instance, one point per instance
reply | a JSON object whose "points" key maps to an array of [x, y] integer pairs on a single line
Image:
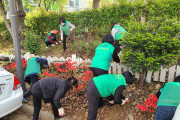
{"points": [[44, 115]]}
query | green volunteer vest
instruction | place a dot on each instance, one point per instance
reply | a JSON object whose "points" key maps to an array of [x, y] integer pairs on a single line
{"points": [[103, 56], [108, 83], [65, 28], [50, 35], [32, 67], [120, 33], [170, 95]]}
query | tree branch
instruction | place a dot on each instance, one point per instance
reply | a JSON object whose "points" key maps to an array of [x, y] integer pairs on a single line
{"points": [[3, 14]]}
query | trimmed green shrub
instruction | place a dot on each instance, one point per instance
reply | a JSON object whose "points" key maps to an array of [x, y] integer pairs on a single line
{"points": [[148, 46], [32, 42]]}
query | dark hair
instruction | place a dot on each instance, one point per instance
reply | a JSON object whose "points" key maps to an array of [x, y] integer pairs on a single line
{"points": [[177, 79], [129, 77], [108, 38], [112, 24], [61, 19], [73, 81]]}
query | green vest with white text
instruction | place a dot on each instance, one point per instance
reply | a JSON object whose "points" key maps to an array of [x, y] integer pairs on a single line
{"points": [[108, 83], [65, 28], [50, 35], [32, 66], [103, 56], [170, 95], [120, 32]]}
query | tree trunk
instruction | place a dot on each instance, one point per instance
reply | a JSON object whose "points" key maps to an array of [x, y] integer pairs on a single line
{"points": [[20, 18], [143, 18], [96, 4], [39, 4], [3, 14], [142, 78]]}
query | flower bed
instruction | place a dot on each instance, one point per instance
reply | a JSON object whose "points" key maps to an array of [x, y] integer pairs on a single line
{"points": [[75, 101]]}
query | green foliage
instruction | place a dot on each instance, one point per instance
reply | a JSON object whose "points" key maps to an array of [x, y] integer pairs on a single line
{"points": [[47, 4], [82, 46], [4, 34], [149, 48], [98, 21], [32, 42]]}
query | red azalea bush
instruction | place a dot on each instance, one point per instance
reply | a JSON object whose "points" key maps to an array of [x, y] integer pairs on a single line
{"points": [[150, 104], [67, 69], [13, 65], [63, 70]]}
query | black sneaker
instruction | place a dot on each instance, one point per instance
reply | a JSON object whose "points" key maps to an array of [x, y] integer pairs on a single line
{"points": [[26, 99]]}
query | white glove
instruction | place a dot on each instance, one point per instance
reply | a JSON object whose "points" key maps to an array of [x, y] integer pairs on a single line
{"points": [[71, 29], [123, 102], [61, 111], [127, 100]]}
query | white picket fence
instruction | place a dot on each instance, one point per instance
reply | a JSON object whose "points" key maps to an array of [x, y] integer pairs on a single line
{"points": [[163, 75]]}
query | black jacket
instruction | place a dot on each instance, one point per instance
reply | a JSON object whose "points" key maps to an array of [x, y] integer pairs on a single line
{"points": [[115, 56], [54, 88]]}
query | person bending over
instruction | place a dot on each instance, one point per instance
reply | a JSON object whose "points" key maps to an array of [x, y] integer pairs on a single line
{"points": [[104, 86], [118, 32], [51, 90], [32, 72], [169, 99]]}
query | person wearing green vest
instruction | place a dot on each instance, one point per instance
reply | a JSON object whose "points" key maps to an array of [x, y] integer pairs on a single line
{"points": [[104, 86], [169, 99], [118, 32], [51, 38], [103, 55], [32, 72], [65, 28]]}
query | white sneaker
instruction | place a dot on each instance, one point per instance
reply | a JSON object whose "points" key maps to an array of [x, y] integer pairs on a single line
{"points": [[46, 47], [53, 45], [56, 43], [59, 41]]}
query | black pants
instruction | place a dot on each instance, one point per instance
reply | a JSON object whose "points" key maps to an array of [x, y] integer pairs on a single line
{"points": [[93, 96], [98, 71], [48, 43], [33, 79], [117, 45], [37, 97], [64, 41], [54, 39]]}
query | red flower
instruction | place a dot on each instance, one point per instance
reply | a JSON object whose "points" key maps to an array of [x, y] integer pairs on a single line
{"points": [[83, 85], [7, 67]]}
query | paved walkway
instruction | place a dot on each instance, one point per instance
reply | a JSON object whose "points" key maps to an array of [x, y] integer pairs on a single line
{"points": [[26, 113]]}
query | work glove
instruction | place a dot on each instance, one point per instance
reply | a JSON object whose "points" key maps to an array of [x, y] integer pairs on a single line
{"points": [[127, 100], [123, 102], [61, 111], [71, 29]]}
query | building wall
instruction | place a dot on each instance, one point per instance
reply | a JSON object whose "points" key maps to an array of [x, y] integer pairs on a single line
{"points": [[76, 5]]}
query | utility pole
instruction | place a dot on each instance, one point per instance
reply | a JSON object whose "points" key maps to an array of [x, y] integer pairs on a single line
{"points": [[16, 43]]}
